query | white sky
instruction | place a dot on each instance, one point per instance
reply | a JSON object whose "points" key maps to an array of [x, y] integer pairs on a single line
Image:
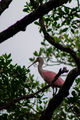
{"points": [[23, 44]]}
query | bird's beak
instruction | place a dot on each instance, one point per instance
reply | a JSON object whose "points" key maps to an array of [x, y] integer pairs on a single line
{"points": [[32, 63]]}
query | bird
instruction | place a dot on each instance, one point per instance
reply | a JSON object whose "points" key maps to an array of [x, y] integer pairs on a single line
{"points": [[48, 76]]}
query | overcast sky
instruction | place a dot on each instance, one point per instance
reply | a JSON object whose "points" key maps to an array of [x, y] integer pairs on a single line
{"points": [[23, 44]]}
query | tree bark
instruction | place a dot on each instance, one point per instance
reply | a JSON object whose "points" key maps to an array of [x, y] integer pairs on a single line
{"points": [[4, 4]]}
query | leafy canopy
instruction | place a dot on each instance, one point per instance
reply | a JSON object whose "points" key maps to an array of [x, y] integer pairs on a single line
{"points": [[16, 81]]}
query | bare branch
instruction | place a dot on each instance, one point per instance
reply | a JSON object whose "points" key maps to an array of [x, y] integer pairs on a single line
{"points": [[53, 42], [4, 4], [57, 99], [28, 19], [10, 103]]}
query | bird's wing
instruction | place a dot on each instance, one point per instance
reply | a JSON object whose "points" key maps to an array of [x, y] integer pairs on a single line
{"points": [[49, 76]]}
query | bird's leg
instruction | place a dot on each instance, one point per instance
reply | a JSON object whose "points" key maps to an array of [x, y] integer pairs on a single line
{"points": [[54, 91]]}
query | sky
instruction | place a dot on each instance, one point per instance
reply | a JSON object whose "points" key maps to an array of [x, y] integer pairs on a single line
{"points": [[23, 44]]}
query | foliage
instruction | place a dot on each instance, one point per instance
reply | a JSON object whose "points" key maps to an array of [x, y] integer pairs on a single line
{"points": [[16, 81], [63, 24]]}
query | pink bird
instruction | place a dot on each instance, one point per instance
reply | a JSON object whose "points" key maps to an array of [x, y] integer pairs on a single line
{"points": [[48, 76]]}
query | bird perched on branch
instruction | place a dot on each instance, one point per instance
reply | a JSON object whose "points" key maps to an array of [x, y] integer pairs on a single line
{"points": [[48, 76]]}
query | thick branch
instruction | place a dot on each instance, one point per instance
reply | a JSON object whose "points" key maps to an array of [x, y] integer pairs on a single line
{"points": [[53, 42], [57, 99], [4, 4], [28, 19], [10, 103]]}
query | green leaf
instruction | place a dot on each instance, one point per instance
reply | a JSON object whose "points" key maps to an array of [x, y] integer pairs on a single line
{"points": [[63, 23], [26, 10], [9, 56], [66, 10], [74, 27], [70, 1], [40, 52], [36, 23], [31, 59], [64, 30], [74, 93], [49, 30], [47, 20], [72, 30], [35, 53]]}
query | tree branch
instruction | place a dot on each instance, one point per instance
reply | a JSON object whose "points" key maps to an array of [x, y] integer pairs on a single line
{"points": [[53, 42], [4, 4], [28, 19], [57, 99], [10, 103]]}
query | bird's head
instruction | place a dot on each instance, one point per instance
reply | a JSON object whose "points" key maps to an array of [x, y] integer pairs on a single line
{"points": [[38, 59]]}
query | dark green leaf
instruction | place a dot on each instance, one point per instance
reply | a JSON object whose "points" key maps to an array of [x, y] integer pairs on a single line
{"points": [[64, 30], [74, 93], [49, 30], [72, 30], [66, 10], [35, 53], [36, 23]]}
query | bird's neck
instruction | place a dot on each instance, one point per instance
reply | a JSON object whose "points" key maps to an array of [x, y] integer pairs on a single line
{"points": [[40, 69]]}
